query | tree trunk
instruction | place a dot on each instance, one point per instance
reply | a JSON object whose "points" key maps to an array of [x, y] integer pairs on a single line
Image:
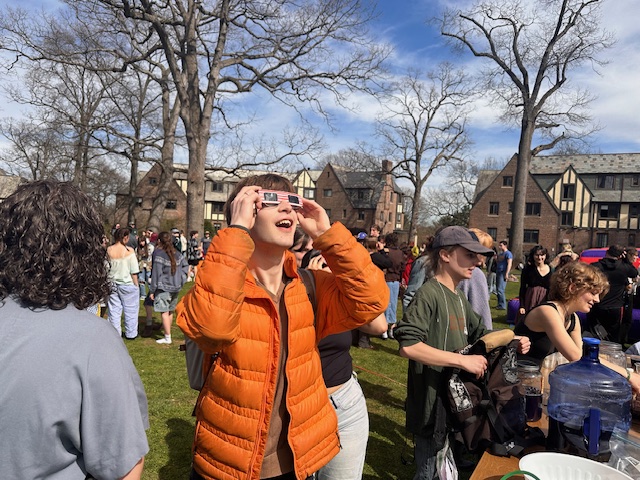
{"points": [[133, 183], [516, 237]]}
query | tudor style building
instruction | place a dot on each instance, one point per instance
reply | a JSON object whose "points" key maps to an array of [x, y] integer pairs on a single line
{"points": [[587, 200], [361, 199], [357, 199]]}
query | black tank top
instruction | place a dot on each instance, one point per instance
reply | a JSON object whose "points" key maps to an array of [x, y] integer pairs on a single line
{"points": [[541, 345]]}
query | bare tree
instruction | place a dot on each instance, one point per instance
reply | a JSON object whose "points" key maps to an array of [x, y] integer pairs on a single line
{"points": [[35, 150], [423, 126], [531, 47], [217, 49], [358, 158]]}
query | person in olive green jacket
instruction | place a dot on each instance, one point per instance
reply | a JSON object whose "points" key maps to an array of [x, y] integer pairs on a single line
{"points": [[438, 322]]}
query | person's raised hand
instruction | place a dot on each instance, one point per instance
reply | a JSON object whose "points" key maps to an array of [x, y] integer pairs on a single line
{"points": [[313, 219], [243, 207]]}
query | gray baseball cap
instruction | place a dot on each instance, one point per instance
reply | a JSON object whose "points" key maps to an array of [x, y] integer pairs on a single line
{"points": [[456, 235]]}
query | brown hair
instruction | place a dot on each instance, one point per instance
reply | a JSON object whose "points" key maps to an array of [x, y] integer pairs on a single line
{"points": [[165, 242], [51, 252], [583, 276]]}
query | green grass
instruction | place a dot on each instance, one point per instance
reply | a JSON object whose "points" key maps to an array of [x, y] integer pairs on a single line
{"points": [[381, 372]]}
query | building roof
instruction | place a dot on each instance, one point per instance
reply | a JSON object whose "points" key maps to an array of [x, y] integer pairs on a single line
{"points": [[586, 163], [485, 177]]}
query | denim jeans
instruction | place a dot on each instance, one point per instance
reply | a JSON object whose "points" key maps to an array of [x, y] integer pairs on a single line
{"points": [[501, 285], [353, 426], [124, 298], [425, 458], [143, 280], [394, 291]]}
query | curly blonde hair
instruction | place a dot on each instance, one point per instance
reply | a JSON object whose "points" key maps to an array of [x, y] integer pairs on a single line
{"points": [[583, 276]]}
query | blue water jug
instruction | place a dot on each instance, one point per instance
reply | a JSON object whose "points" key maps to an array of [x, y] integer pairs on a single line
{"points": [[587, 401]]}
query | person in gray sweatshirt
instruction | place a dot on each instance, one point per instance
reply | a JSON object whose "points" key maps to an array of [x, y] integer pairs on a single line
{"points": [[168, 275]]}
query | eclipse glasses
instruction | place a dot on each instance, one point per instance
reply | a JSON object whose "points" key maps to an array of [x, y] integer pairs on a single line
{"points": [[272, 198]]}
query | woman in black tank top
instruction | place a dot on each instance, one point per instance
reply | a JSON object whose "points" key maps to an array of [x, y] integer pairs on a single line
{"points": [[553, 325]]}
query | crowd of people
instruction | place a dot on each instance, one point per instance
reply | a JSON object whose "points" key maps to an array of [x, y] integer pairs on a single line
{"points": [[279, 297]]}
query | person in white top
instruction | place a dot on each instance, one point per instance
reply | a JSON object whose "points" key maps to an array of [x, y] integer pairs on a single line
{"points": [[123, 274]]}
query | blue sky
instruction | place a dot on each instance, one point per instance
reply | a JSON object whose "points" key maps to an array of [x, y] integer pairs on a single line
{"points": [[403, 23]]}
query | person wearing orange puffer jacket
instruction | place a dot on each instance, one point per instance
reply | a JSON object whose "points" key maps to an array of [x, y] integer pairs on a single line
{"points": [[263, 412]]}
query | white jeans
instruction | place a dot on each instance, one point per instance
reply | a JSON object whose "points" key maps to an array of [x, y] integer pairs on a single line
{"points": [[353, 426]]}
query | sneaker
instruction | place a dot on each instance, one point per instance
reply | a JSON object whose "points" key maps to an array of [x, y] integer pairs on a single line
{"points": [[164, 341], [390, 332], [384, 336]]}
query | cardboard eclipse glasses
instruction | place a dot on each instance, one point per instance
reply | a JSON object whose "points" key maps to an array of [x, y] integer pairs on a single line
{"points": [[272, 198]]}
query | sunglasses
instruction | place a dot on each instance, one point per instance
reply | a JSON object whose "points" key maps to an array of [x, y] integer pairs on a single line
{"points": [[272, 198]]}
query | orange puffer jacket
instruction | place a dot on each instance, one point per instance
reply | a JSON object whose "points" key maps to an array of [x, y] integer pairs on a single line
{"points": [[227, 312]]}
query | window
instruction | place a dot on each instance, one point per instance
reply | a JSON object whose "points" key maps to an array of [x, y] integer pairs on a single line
{"points": [[606, 181], [532, 209], [309, 193], [631, 240], [493, 232], [344, 214], [609, 210], [138, 200], [510, 209], [398, 218], [328, 210], [390, 217], [217, 226], [327, 192], [566, 219], [153, 181], [360, 194], [507, 181], [531, 236], [602, 240], [634, 209], [217, 207], [217, 187], [171, 204], [635, 182], [494, 208], [360, 214], [569, 191]]}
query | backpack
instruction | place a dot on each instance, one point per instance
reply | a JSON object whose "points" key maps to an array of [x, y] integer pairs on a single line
{"points": [[487, 412], [197, 364]]}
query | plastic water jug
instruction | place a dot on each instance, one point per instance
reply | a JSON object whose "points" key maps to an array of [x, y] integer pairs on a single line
{"points": [[587, 401]]}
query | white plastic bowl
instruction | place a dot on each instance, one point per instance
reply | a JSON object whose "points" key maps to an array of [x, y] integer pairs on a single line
{"points": [[560, 466]]}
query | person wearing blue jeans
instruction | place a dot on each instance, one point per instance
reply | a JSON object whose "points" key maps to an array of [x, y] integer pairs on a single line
{"points": [[504, 263], [392, 276]]}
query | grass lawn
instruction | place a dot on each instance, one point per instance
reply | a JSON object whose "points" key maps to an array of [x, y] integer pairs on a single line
{"points": [[381, 372]]}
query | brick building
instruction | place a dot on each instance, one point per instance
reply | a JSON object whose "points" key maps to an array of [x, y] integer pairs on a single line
{"points": [[361, 199], [357, 199], [587, 200]]}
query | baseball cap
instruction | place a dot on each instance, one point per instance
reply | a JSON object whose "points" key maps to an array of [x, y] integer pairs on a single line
{"points": [[175, 230], [456, 235], [361, 236]]}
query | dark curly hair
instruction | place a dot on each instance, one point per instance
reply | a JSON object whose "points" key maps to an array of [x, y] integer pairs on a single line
{"points": [[51, 252]]}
